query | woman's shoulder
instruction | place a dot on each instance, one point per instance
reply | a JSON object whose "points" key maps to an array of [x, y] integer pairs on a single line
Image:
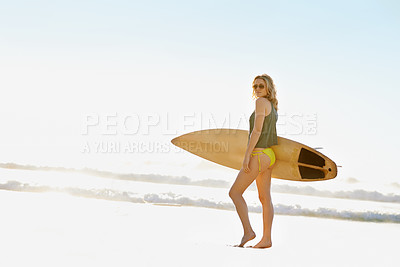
{"points": [[262, 101]]}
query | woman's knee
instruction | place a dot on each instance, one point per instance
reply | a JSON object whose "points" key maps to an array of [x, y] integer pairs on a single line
{"points": [[265, 199], [233, 193]]}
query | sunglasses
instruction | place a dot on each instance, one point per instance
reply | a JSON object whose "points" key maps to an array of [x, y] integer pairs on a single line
{"points": [[261, 86]]}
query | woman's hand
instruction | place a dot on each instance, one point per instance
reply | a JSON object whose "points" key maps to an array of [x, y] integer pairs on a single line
{"points": [[246, 161]]}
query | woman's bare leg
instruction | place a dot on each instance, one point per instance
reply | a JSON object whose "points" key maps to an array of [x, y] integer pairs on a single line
{"points": [[264, 188], [243, 180]]}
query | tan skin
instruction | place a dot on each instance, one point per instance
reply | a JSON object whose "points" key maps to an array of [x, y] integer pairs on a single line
{"points": [[249, 172]]}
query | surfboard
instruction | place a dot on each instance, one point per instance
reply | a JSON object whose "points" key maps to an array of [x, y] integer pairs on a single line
{"points": [[294, 161]]}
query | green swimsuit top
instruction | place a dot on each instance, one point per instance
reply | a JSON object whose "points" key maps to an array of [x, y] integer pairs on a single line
{"points": [[268, 135]]}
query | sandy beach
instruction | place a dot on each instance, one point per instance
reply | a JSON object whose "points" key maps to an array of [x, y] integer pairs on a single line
{"points": [[55, 229]]}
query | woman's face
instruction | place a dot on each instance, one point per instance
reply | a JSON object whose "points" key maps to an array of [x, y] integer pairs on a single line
{"points": [[260, 87]]}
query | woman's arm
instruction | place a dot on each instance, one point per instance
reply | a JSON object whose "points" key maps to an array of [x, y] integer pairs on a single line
{"points": [[261, 103]]}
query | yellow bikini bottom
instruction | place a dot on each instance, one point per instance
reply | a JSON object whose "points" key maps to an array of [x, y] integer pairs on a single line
{"points": [[269, 152]]}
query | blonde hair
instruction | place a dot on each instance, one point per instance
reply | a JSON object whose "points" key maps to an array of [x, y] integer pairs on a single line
{"points": [[271, 91]]}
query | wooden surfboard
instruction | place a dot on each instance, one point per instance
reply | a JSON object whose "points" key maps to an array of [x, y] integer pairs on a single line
{"points": [[294, 161]]}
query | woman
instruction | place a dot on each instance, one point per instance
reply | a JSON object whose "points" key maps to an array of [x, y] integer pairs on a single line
{"points": [[259, 160]]}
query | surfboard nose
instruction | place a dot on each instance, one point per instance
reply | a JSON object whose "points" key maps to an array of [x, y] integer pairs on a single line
{"points": [[175, 140]]}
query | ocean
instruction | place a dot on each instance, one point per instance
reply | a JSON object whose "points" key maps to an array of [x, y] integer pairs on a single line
{"points": [[348, 201]]}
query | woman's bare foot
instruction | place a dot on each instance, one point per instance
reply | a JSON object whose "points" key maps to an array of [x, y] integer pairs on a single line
{"points": [[263, 244], [246, 238]]}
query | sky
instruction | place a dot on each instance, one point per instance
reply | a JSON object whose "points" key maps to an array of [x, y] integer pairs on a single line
{"points": [[172, 64]]}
